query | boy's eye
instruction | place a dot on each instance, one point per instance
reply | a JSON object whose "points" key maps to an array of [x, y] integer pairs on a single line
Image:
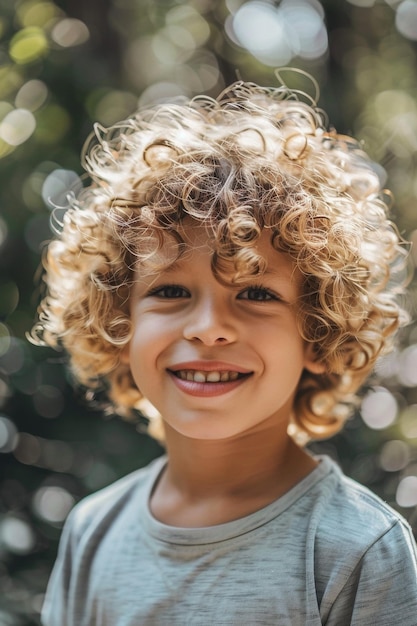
{"points": [[170, 291], [258, 294]]}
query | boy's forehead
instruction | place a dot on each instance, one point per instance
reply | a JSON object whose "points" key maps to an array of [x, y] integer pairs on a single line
{"points": [[179, 244], [196, 239]]}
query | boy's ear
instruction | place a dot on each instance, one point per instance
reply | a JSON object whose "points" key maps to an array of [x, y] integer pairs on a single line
{"points": [[312, 362]]}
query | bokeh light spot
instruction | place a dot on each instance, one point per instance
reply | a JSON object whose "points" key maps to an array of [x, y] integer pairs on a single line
{"points": [[9, 297], [259, 28], [10, 79], [37, 232], [276, 35], [408, 422], [233, 5], [28, 449], [379, 408], [32, 191], [57, 185], [31, 95], [158, 92], [48, 401], [70, 32], [396, 113], [394, 456], [28, 45], [139, 63], [16, 535], [5, 391], [406, 19], [209, 75], [387, 366], [13, 359], [165, 51], [181, 37], [115, 106], [53, 503], [5, 148], [8, 435], [192, 21], [5, 339], [35, 13], [100, 474], [406, 495], [17, 127], [306, 20], [407, 370], [5, 109]]}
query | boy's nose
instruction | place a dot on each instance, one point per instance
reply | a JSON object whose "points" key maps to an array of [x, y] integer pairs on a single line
{"points": [[210, 324]]}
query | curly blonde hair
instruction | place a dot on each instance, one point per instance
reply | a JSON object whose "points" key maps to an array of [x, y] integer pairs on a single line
{"points": [[254, 159]]}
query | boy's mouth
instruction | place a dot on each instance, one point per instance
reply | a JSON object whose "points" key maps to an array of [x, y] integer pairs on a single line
{"points": [[216, 376], [208, 379]]}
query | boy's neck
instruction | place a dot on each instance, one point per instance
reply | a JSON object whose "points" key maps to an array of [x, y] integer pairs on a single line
{"points": [[212, 482]]}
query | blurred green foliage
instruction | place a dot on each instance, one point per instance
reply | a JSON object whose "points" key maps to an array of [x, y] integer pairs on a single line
{"points": [[64, 65]]}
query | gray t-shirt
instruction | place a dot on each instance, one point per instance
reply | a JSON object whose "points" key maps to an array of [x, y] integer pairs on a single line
{"points": [[327, 552]]}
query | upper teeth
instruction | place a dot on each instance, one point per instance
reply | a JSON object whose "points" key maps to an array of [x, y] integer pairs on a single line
{"points": [[207, 377]]}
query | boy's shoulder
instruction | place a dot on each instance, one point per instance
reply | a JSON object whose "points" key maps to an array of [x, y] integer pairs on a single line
{"points": [[107, 503], [352, 517], [356, 536], [361, 502]]}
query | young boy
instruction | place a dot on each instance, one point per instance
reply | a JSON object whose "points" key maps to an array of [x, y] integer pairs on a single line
{"points": [[232, 264]]}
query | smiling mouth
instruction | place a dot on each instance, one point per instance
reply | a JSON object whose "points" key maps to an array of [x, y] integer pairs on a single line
{"points": [[198, 376]]}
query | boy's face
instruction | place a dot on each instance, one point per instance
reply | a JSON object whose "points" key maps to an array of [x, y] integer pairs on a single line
{"points": [[218, 360]]}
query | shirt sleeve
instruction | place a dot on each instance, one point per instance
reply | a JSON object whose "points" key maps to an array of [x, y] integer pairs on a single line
{"points": [[55, 606], [382, 590]]}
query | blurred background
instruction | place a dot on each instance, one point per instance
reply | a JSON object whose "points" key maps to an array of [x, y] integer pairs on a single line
{"points": [[64, 65]]}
